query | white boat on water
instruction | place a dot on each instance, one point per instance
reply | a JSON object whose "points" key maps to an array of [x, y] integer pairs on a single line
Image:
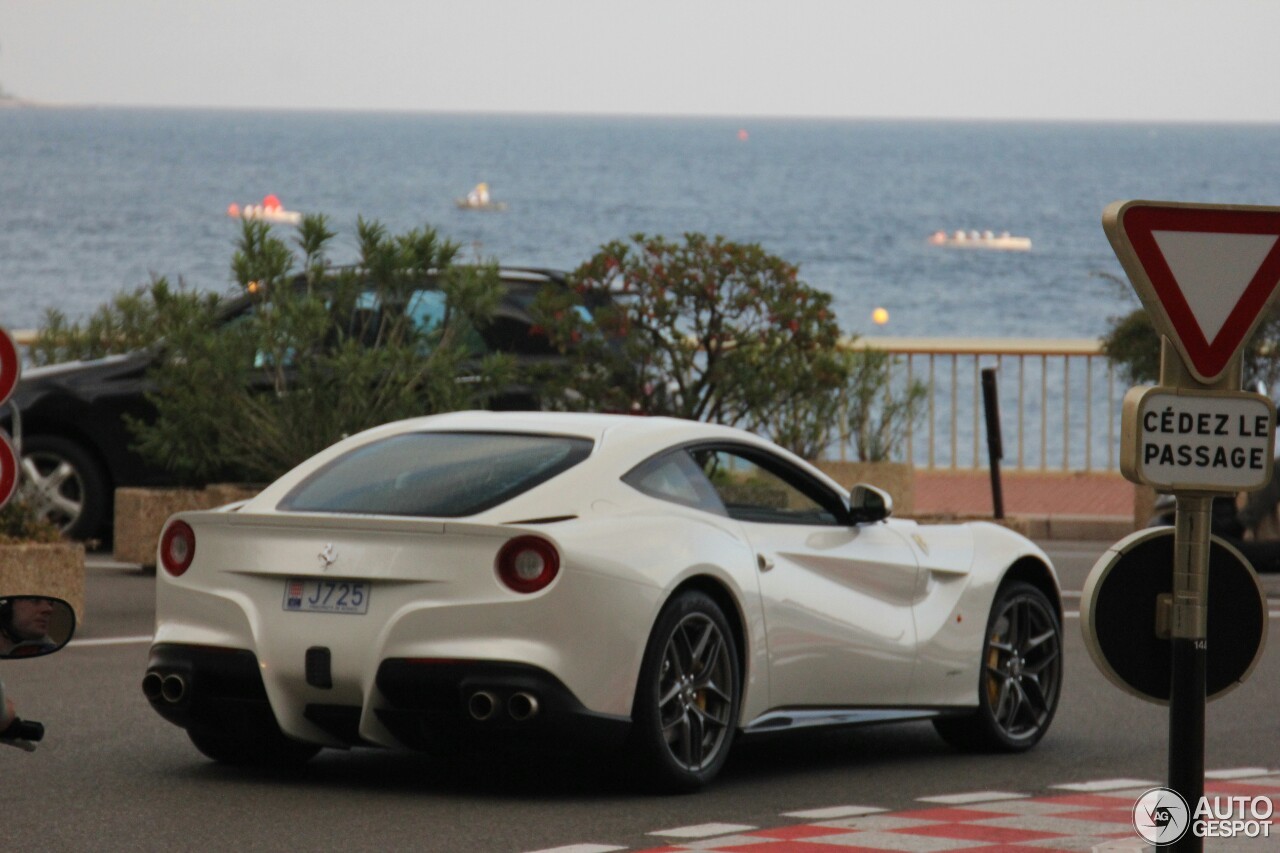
{"points": [[479, 199], [271, 210], [1004, 241]]}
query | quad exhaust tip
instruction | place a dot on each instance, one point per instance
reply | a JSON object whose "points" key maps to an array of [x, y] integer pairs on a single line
{"points": [[482, 705], [522, 706], [168, 688]]}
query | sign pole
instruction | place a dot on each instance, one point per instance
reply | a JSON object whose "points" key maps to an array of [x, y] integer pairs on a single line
{"points": [[1189, 647], [1189, 617]]}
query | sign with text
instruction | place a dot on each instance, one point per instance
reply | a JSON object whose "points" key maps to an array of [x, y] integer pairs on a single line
{"points": [[1178, 439]]}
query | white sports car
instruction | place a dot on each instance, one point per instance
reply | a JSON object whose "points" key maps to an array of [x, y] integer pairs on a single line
{"points": [[664, 585]]}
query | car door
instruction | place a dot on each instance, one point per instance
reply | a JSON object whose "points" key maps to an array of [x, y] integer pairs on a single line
{"points": [[837, 596]]}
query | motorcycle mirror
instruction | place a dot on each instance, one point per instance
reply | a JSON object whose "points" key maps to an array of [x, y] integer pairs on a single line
{"points": [[32, 626]]}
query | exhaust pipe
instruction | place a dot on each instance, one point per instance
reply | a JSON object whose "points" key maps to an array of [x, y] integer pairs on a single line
{"points": [[482, 705], [173, 688], [522, 706], [152, 686]]}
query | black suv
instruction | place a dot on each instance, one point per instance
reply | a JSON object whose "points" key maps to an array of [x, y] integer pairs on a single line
{"points": [[76, 448]]}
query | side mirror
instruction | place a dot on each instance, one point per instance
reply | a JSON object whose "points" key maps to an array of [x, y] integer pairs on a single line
{"points": [[867, 503], [34, 625]]}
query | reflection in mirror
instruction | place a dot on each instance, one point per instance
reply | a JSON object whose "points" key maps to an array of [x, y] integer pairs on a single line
{"points": [[867, 503], [34, 625]]}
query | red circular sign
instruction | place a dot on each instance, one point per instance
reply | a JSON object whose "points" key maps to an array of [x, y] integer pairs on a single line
{"points": [[10, 365], [8, 469]]}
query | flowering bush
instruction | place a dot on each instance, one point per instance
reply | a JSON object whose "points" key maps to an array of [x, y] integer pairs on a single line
{"points": [[705, 329]]}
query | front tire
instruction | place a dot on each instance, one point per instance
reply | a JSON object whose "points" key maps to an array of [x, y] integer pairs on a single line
{"points": [[687, 699], [65, 485], [1021, 676]]}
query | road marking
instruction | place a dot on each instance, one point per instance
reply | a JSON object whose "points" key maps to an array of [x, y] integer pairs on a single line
{"points": [[1107, 785], [973, 797], [581, 848], [111, 641], [834, 812], [704, 830], [1237, 773]]}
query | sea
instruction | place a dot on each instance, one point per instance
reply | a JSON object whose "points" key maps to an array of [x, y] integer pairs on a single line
{"points": [[95, 201]]}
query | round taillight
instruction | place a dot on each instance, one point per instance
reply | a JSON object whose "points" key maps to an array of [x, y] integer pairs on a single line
{"points": [[177, 548], [528, 563]]}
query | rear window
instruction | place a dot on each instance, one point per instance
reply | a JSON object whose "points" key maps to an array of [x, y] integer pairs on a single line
{"points": [[438, 474]]}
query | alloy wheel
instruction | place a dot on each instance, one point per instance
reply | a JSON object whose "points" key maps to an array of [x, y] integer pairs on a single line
{"points": [[53, 488], [695, 692], [1023, 667]]}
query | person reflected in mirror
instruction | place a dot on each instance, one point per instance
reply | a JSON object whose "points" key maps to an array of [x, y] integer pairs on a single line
{"points": [[24, 627]]}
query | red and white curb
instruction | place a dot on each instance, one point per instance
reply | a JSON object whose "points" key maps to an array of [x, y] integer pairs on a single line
{"points": [[1085, 816]]}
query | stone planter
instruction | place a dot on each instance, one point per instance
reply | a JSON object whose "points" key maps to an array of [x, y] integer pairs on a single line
{"points": [[896, 478], [141, 514], [44, 568]]}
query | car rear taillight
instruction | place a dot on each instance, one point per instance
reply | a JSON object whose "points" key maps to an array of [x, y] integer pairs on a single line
{"points": [[528, 563], [177, 548]]}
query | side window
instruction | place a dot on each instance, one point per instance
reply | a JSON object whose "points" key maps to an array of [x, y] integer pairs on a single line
{"points": [[763, 493], [676, 478]]}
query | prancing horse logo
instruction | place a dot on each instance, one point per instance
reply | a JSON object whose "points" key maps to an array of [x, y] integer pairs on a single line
{"points": [[328, 554]]}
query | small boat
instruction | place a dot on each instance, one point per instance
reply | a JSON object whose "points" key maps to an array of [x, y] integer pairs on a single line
{"points": [[479, 199], [271, 210], [1004, 241]]}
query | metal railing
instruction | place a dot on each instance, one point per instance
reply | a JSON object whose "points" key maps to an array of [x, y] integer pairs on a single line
{"points": [[1059, 402]]}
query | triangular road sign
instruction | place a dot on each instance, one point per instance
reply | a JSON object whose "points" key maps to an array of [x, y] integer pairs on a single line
{"points": [[1204, 272]]}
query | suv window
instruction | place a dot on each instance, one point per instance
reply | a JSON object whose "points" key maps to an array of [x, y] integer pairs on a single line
{"points": [[438, 474]]}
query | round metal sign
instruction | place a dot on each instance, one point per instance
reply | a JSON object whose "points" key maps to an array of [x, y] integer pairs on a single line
{"points": [[8, 469], [10, 365], [1119, 612]]}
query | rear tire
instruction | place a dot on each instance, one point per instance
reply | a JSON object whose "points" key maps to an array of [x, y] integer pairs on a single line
{"points": [[65, 485], [1020, 679], [253, 750], [687, 698]]}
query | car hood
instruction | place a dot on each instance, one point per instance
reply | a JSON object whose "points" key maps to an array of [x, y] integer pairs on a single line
{"points": [[96, 368], [75, 376]]}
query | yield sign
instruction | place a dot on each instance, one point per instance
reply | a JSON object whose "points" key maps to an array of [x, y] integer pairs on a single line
{"points": [[1204, 272]]}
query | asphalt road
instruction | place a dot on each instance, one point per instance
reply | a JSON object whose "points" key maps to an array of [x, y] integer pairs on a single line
{"points": [[112, 775]]}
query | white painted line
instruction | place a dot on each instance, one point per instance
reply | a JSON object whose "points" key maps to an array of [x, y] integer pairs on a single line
{"points": [[1108, 785], [1067, 594], [834, 812], [972, 797], [581, 848], [704, 830], [1237, 773], [111, 641]]}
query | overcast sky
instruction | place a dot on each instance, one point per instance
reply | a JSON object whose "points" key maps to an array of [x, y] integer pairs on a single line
{"points": [[1215, 60]]}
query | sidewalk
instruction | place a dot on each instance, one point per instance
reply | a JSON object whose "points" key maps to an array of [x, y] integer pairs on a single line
{"points": [[1055, 505]]}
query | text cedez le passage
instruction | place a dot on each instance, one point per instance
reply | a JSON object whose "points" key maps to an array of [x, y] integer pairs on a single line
{"points": [[1214, 424]]}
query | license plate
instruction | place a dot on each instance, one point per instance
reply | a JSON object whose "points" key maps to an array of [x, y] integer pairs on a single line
{"points": [[326, 596]]}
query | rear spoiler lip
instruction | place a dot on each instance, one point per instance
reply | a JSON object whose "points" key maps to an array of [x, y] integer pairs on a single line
{"points": [[332, 522]]}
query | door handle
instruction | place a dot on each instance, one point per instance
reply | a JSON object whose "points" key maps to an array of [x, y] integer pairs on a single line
{"points": [[764, 562]]}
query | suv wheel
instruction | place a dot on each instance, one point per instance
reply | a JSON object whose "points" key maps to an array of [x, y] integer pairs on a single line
{"points": [[65, 485]]}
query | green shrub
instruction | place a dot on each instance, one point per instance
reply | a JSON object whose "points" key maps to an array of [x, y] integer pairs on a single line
{"points": [[325, 352], [19, 523]]}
